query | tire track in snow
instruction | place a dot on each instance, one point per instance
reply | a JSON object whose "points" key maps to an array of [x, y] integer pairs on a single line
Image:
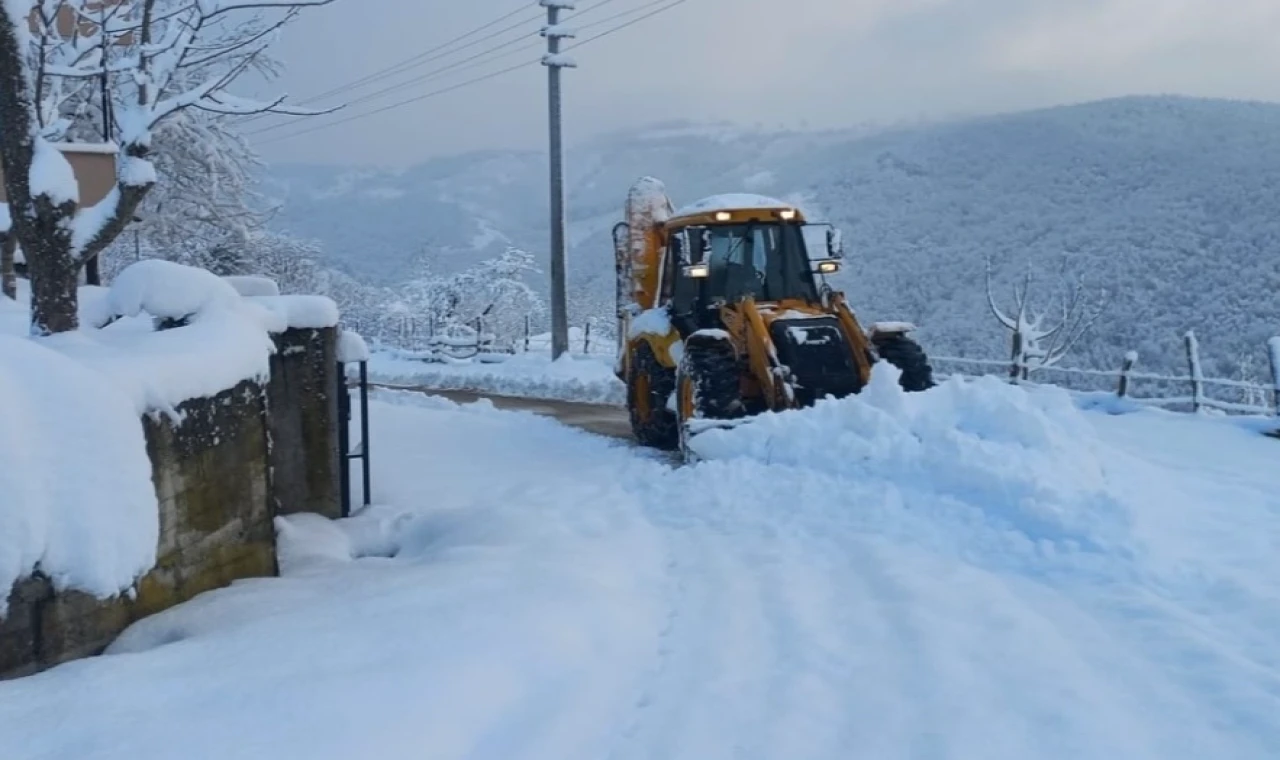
{"points": [[708, 697]]}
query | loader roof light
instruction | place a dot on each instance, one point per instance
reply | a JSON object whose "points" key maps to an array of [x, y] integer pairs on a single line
{"points": [[723, 216], [698, 271], [829, 266], [787, 213]]}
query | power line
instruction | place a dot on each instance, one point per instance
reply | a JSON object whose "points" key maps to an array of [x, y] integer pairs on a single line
{"points": [[454, 67], [469, 62], [476, 80], [426, 55]]}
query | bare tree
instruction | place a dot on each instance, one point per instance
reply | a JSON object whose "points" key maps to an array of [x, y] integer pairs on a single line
{"points": [[1036, 344], [156, 59]]}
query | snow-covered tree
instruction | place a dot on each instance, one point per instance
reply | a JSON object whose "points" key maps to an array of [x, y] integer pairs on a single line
{"points": [[1036, 344], [155, 59], [493, 295]]}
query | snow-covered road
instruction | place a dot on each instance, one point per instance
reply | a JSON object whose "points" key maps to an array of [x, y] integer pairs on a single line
{"points": [[980, 571]]}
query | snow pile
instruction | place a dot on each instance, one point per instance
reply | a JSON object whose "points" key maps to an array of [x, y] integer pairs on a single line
{"points": [[1023, 465], [76, 498], [584, 379]]}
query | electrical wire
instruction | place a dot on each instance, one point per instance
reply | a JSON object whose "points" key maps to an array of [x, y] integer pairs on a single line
{"points": [[470, 62], [492, 75]]}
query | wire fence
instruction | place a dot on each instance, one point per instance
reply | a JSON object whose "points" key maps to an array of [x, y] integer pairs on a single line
{"points": [[474, 341], [1191, 392]]}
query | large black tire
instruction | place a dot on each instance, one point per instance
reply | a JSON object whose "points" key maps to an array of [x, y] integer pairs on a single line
{"points": [[649, 388], [907, 355], [710, 365], [708, 386]]}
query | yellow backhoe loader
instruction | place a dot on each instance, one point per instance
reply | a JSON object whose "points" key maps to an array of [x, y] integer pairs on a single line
{"points": [[725, 312]]}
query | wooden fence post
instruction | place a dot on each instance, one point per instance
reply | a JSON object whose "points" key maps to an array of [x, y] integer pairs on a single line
{"points": [[527, 331], [1193, 364], [1273, 352], [586, 338], [1130, 359]]}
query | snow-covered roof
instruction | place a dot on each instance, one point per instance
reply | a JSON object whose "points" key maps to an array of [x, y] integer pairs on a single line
{"points": [[732, 202], [106, 149]]}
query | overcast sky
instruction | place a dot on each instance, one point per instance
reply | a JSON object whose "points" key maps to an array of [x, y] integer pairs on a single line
{"points": [[815, 63]]}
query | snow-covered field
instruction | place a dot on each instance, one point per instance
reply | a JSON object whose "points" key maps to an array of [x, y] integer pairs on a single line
{"points": [[980, 571]]}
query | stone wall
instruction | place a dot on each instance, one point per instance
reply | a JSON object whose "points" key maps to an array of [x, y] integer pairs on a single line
{"points": [[221, 475]]}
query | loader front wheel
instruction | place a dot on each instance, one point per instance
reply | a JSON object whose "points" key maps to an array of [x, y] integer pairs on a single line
{"points": [[708, 385], [907, 355], [649, 388]]}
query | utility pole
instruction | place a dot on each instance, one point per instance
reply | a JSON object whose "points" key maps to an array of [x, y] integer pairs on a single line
{"points": [[554, 60]]}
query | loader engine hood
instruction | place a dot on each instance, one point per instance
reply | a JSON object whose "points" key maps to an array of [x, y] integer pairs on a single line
{"points": [[820, 359]]}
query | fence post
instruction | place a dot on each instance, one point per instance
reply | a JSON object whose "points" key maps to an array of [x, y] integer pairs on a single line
{"points": [[527, 331], [1130, 359], [1273, 352], [1193, 364], [586, 339]]}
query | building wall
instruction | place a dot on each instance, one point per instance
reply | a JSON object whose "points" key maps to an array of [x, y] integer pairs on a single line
{"points": [[219, 481]]}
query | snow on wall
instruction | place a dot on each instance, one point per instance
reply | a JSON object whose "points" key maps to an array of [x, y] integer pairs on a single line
{"points": [[301, 312], [252, 285], [352, 348], [77, 498]]}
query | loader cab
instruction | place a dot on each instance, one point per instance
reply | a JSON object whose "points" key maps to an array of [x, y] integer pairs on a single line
{"points": [[770, 258]]}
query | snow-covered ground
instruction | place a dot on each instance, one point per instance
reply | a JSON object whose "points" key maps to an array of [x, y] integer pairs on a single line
{"points": [[588, 379], [977, 571]]}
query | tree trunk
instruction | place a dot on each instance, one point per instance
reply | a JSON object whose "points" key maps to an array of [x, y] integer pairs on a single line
{"points": [[8, 270], [42, 228], [54, 276]]}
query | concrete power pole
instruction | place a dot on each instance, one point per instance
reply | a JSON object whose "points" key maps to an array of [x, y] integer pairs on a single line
{"points": [[554, 60]]}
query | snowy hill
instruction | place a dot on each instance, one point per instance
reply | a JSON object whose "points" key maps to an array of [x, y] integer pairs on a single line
{"points": [[1170, 202]]}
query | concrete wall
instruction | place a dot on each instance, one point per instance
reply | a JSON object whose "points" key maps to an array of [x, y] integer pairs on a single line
{"points": [[235, 461], [304, 410]]}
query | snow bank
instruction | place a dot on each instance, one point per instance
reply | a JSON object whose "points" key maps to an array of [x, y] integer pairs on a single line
{"points": [[76, 498], [588, 380]]}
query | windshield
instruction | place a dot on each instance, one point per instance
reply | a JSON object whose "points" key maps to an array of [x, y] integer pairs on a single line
{"points": [[766, 261]]}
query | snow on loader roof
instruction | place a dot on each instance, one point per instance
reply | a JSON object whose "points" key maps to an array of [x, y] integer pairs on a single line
{"points": [[731, 202]]}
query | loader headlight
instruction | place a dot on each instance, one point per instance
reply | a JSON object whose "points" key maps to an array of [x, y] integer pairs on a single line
{"points": [[723, 216], [830, 266], [697, 271], [787, 213]]}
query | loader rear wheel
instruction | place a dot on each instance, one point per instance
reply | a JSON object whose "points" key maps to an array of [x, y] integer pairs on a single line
{"points": [[907, 355], [649, 387]]}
